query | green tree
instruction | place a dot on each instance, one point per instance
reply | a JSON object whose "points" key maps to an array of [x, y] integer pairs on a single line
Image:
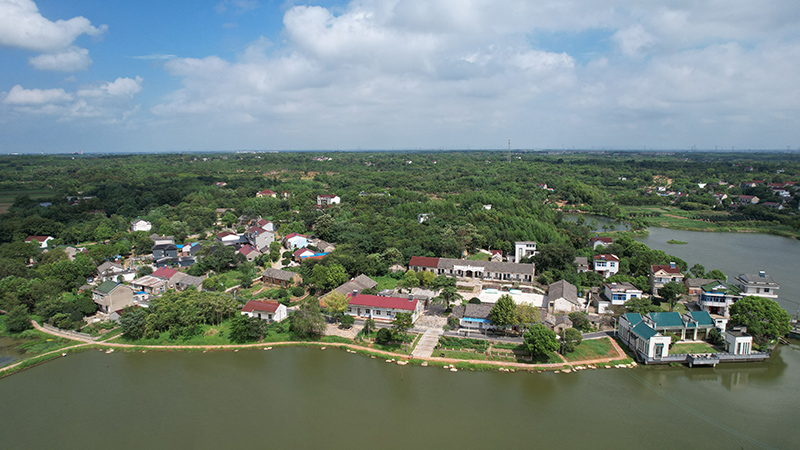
{"points": [[17, 319], [504, 312], [384, 336], [402, 323], [580, 320], [410, 280], [539, 340], [641, 305], [335, 303], [571, 338], [347, 321], [133, 322], [447, 296], [671, 292], [369, 327], [716, 274], [698, 271], [307, 320], [246, 329], [274, 251], [764, 318]]}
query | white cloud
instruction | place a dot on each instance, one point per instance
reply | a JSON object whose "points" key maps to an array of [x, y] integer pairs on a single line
{"points": [[25, 97], [70, 60], [236, 5], [633, 40], [22, 26]]}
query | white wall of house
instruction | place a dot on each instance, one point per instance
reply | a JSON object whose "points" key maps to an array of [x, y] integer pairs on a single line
{"points": [[277, 316], [738, 345]]}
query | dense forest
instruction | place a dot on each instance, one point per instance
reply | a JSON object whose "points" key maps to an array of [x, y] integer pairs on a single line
{"points": [[393, 206]]}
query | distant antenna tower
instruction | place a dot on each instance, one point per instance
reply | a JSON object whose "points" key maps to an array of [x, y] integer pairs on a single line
{"points": [[509, 150]]}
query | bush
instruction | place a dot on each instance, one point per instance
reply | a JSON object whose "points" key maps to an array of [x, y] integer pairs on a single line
{"points": [[580, 320], [297, 291], [715, 337], [17, 319], [475, 301], [347, 321], [453, 322], [384, 336]]}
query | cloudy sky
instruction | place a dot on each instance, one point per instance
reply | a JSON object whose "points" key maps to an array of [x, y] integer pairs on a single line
{"points": [[180, 75]]}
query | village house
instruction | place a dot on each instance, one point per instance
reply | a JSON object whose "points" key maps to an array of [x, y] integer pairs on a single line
{"points": [[381, 308], [259, 238], [477, 270], [283, 278], [230, 238], [562, 296], [557, 323], [168, 250], [302, 253], [249, 252], [359, 284], [606, 265], [497, 256], [598, 241], [141, 225], [759, 284], [40, 240], [582, 264], [159, 240], [524, 249], [748, 200], [738, 342], [265, 224], [322, 246], [150, 285], [661, 274], [646, 342], [616, 294], [473, 317], [269, 310], [717, 297], [296, 240], [111, 296], [266, 193], [324, 200], [694, 286]]}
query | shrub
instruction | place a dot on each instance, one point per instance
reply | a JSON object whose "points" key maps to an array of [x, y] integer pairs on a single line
{"points": [[475, 301], [297, 291], [347, 321], [384, 336], [453, 322]]}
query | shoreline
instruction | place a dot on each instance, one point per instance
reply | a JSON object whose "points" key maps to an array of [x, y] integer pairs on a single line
{"points": [[622, 360]]}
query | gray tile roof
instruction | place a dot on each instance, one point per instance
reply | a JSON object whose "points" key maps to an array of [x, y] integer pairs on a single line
{"points": [[283, 275], [477, 311], [563, 289], [359, 283], [492, 266], [755, 278]]}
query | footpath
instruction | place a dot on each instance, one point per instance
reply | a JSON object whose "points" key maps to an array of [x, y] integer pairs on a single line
{"points": [[432, 332]]}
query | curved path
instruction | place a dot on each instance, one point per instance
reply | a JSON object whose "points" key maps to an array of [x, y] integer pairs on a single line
{"points": [[397, 356]]}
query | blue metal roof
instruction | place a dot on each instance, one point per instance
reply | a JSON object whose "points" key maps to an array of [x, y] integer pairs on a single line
{"points": [[633, 318], [471, 319], [703, 318], [667, 319]]}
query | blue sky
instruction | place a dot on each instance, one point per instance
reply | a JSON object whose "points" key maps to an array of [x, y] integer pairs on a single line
{"points": [[147, 76]]}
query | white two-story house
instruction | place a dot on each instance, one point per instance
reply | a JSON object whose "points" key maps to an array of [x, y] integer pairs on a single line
{"points": [[606, 265]]}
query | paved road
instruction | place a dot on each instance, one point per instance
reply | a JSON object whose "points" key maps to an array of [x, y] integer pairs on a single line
{"points": [[427, 342]]}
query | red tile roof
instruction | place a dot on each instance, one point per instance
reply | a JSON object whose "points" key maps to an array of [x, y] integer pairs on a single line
{"points": [[268, 192], [246, 249], [260, 305], [289, 236], [164, 272], [327, 195], [262, 222], [601, 239], [665, 268], [424, 261], [38, 238], [299, 252], [255, 229], [608, 257], [226, 233], [376, 301]]}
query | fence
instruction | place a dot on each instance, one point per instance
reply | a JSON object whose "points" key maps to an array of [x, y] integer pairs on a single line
{"points": [[74, 334]]}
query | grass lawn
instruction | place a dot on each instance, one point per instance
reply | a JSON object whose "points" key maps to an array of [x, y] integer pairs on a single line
{"points": [[592, 349], [385, 283], [694, 347], [232, 278], [479, 257], [679, 307]]}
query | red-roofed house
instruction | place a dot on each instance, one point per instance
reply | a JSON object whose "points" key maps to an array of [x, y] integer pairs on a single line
{"points": [[497, 255], [328, 200], [267, 193], [229, 238], [268, 310], [419, 263], [296, 240], [606, 265], [748, 200], [598, 241], [381, 308], [41, 240], [302, 253], [164, 272], [266, 224], [249, 252], [661, 274]]}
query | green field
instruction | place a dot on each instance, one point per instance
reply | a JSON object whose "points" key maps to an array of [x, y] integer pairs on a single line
{"points": [[694, 347], [591, 349], [7, 197]]}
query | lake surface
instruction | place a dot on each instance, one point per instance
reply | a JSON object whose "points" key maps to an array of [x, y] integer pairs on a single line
{"points": [[735, 253], [298, 398], [599, 221], [8, 351]]}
